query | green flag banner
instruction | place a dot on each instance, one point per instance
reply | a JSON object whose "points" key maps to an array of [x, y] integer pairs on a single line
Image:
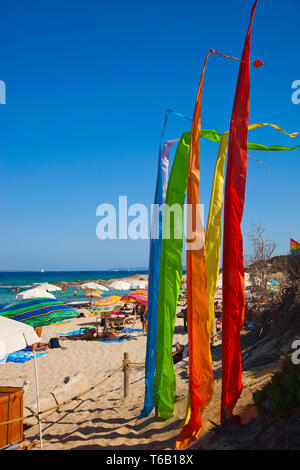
{"points": [[170, 279]]}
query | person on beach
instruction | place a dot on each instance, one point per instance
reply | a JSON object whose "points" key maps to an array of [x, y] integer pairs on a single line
{"points": [[143, 313], [94, 335], [177, 355], [39, 346], [89, 333], [124, 307], [112, 334], [185, 319], [218, 309]]}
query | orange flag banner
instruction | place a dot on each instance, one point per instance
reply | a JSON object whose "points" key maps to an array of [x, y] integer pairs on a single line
{"points": [[200, 367]]}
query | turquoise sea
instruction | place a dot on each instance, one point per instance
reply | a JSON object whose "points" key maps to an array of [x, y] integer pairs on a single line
{"points": [[10, 281]]}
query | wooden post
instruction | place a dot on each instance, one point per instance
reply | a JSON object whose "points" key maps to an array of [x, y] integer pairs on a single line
{"points": [[126, 374], [135, 315], [214, 333], [37, 395]]}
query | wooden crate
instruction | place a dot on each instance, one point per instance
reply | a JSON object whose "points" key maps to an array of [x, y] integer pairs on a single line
{"points": [[11, 407]]}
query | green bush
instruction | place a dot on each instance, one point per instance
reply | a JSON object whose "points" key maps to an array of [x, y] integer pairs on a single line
{"points": [[282, 394]]}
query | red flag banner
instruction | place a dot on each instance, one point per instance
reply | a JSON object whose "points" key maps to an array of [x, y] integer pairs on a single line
{"points": [[233, 263]]}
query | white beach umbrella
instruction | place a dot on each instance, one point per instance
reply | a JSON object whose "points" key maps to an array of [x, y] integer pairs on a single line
{"points": [[14, 336], [247, 281], [136, 284], [93, 286], [35, 293], [49, 287], [120, 285]]}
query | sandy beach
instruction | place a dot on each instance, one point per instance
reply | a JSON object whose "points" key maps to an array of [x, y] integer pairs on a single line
{"points": [[102, 418], [87, 379], [78, 365], [136, 193]]}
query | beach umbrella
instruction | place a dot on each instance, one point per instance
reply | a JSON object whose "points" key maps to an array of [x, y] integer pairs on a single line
{"points": [[35, 293], [38, 312], [120, 285], [140, 291], [90, 286], [218, 294], [15, 336], [247, 281], [93, 295], [138, 298], [107, 304], [136, 284], [49, 287], [273, 285], [93, 286]]}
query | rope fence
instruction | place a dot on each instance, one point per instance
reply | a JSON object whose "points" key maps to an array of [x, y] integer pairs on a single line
{"points": [[126, 363]]}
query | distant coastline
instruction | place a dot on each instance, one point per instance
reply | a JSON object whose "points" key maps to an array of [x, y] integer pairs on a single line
{"points": [[73, 270]]}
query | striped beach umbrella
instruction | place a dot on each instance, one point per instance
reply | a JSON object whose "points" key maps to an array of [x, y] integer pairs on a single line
{"points": [[273, 285], [139, 292], [38, 312], [138, 298], [107, 304]]}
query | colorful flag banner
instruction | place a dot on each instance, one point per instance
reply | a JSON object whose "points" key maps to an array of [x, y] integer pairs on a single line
{"points": [[153, 275], [214, 221], [170, 280], [201, 378], [233, 260], [295, 247]]}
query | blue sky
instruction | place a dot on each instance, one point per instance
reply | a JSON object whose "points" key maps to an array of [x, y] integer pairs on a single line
{"points": [[88, 83]]}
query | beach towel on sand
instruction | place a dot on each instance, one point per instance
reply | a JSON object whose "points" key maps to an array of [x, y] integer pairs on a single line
{"points": [[127, 330], [23, 356], [112, 340], [77, 332]]}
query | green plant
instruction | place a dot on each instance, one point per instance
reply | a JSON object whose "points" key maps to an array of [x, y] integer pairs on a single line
{"points": [[282, 394]]}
